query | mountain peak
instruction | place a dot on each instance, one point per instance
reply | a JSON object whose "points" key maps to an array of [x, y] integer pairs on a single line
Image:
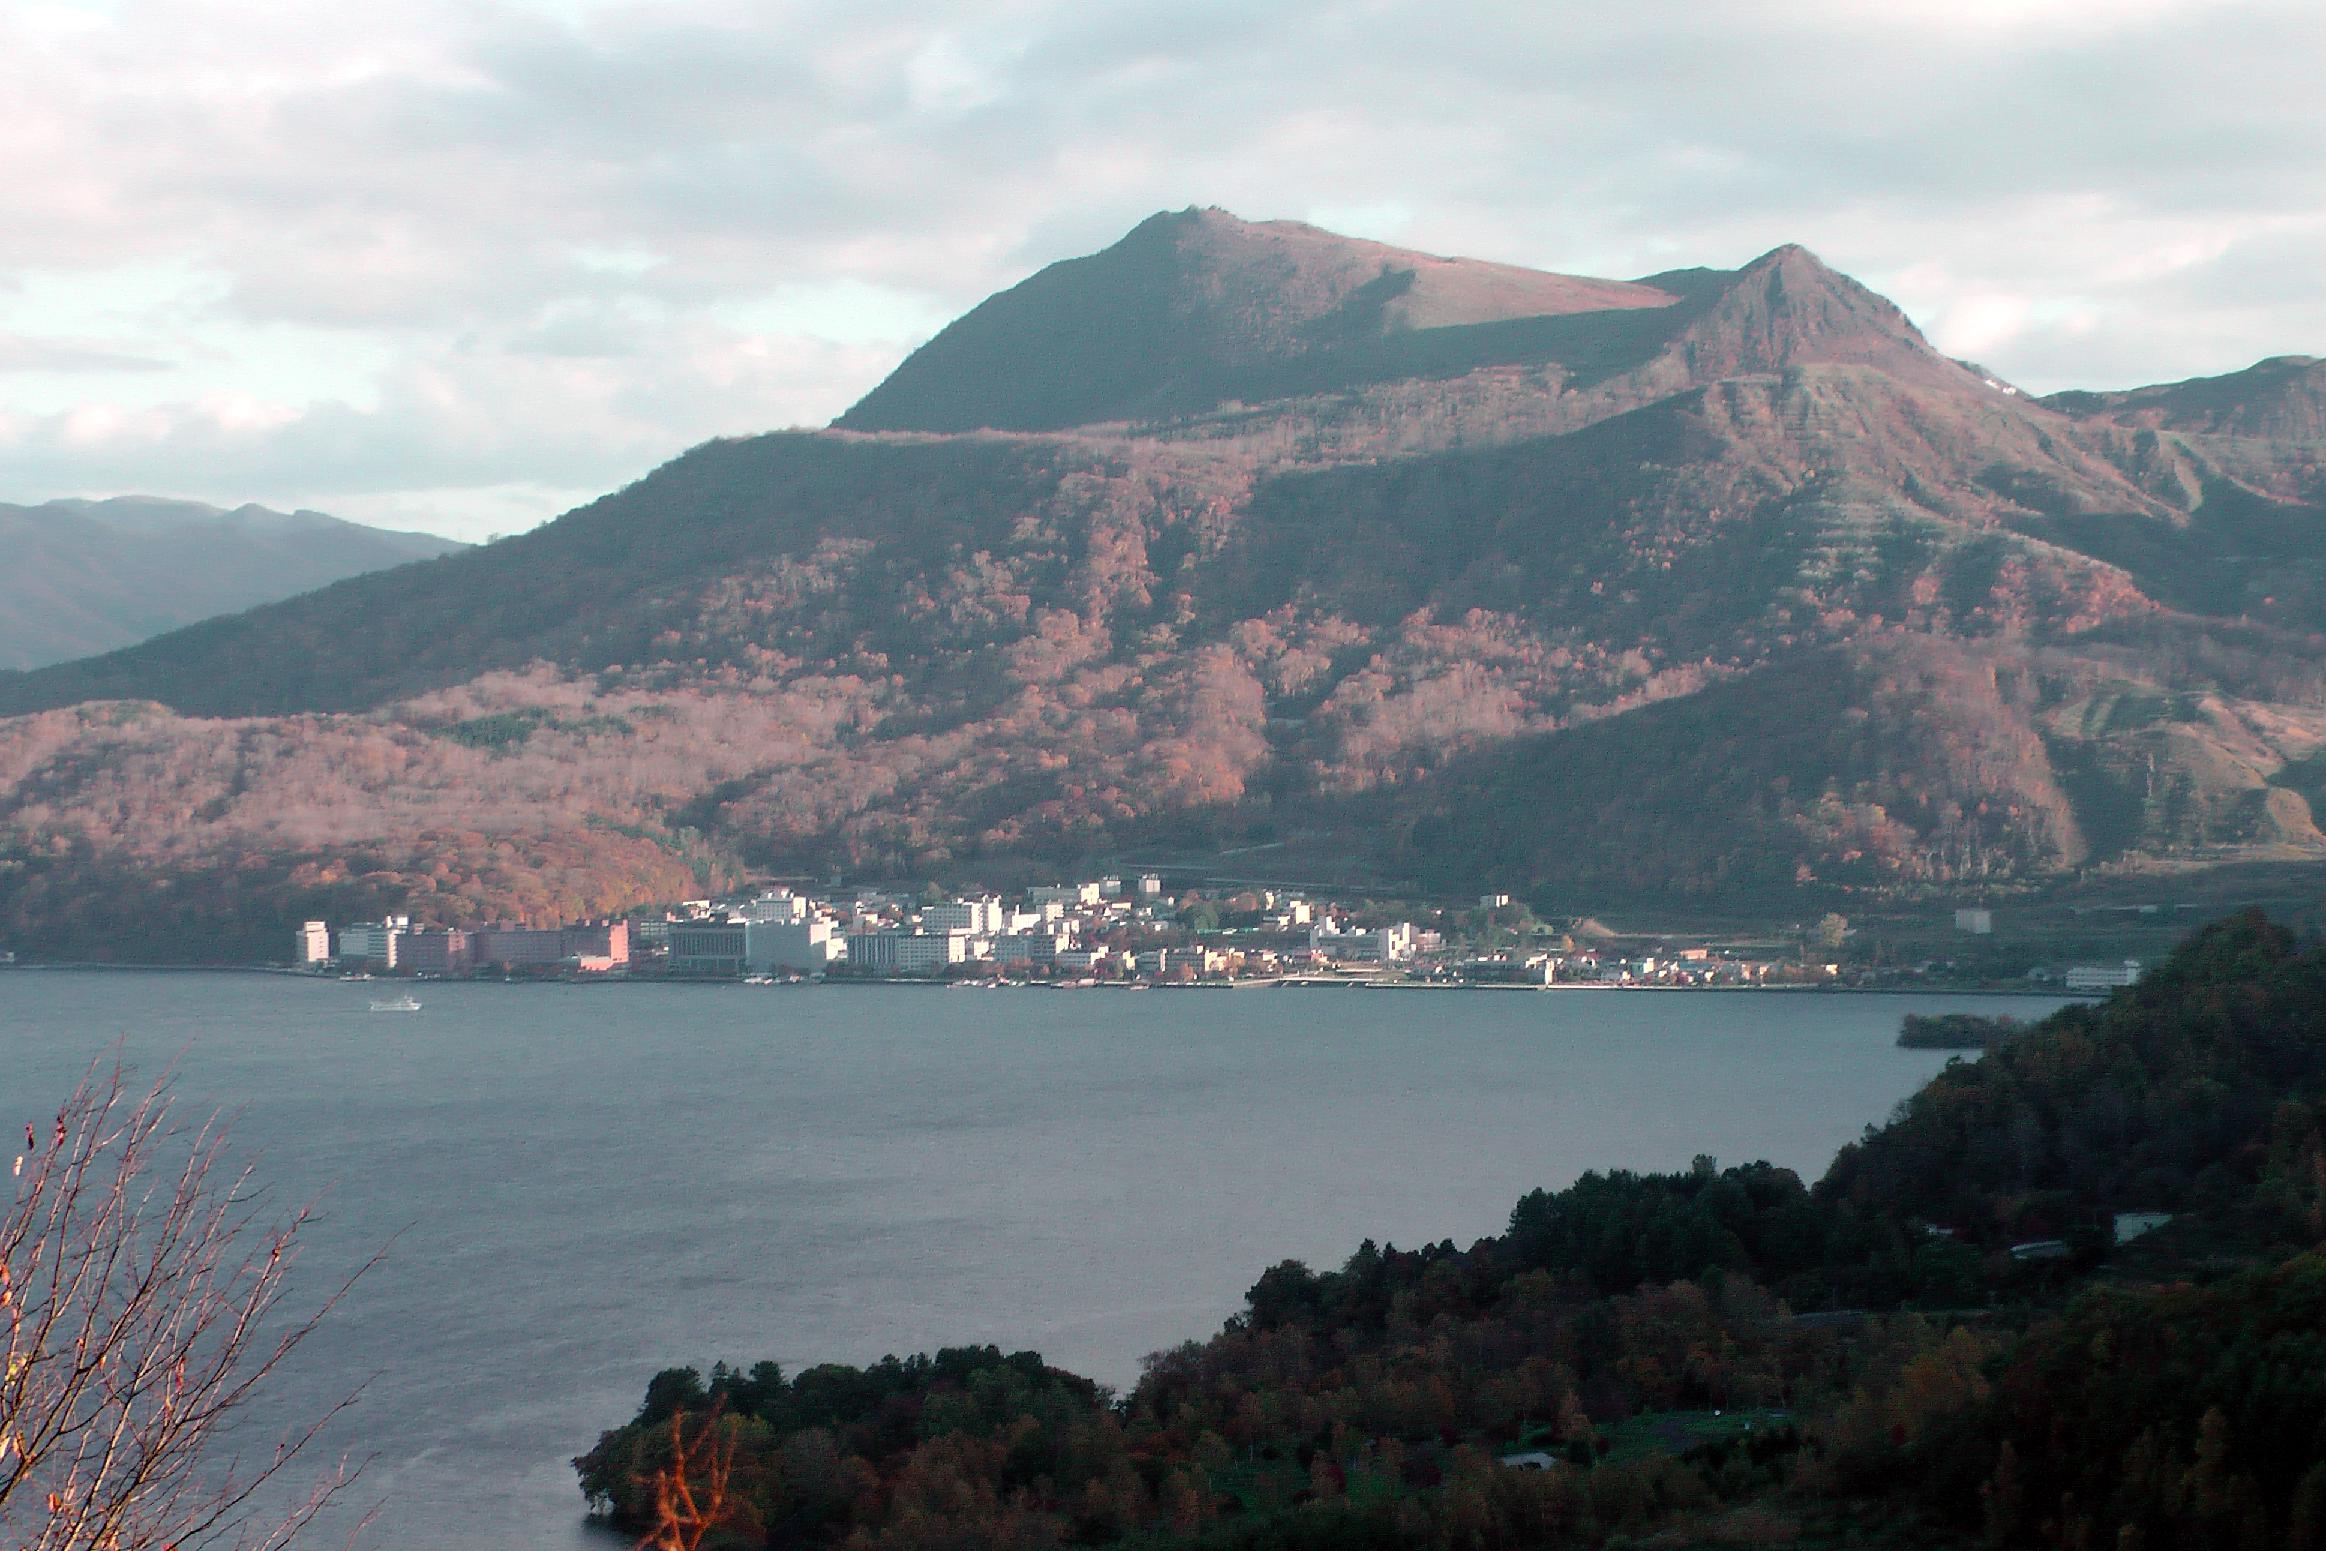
{"points": [[1790, 308], [1199, 307], [1194, 307], [1198, 217], [1789, 255], [1793, 270]]}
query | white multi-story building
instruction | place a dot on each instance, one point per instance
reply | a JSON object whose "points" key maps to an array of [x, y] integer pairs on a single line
{"points": [[893, 952], [1030, 947], [313, 943], [773, 947], [2095, 977], [1081, 958], [980, 917], [373, 943], [777, 905]]}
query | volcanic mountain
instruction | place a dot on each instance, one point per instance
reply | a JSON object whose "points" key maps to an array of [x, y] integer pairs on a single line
{"points": [[1714, 584], [1197, 310]]}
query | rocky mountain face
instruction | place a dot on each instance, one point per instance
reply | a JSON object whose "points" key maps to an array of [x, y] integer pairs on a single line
{"points": [[1715, 584], [89, 576]]}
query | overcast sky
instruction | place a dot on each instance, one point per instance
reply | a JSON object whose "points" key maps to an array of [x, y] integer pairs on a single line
{"points": [[461, 264]]}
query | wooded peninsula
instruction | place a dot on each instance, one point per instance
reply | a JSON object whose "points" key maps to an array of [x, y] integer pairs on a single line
{"points": [[1955, 1031]]}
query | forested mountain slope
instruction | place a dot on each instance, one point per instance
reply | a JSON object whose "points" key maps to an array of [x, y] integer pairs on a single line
{"points": [[1240, 529]]}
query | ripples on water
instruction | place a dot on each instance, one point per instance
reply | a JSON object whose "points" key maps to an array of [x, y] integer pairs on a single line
{"points": [[584, 1185]]}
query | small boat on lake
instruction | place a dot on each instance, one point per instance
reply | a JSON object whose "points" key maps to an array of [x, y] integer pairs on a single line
{"points": [[405, 1003]]}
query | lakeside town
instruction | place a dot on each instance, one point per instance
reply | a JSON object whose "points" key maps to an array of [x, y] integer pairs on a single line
{"points": [[1110, 931]]}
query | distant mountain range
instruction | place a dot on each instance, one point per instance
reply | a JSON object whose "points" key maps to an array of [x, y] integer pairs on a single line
{"points": [[1713, 585], [88, 576]]}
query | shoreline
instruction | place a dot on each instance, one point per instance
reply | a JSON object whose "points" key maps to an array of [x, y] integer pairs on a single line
{"points": [[287, 972]]}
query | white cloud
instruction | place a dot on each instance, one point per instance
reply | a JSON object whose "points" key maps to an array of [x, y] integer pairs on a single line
{"points": [[1384, 220], [1988, 20], [1981, 324], [443, 256], [945, 75], [56, 356]]}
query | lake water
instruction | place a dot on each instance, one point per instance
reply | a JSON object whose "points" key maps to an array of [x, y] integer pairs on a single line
{"points": [[586, 1184]]}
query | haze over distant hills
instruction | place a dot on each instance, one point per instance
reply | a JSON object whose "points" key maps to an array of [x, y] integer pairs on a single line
{"points": [[89, 576], [1716, 584]]}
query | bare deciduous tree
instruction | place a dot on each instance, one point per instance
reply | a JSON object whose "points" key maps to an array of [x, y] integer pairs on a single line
{"points": [[142, 1302], [690, 1493]]}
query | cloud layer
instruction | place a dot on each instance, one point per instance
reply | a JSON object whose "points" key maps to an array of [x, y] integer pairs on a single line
{"points": [[457, 263]]}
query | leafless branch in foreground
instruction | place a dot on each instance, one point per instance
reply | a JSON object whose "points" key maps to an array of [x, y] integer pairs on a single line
{"points": [[142, 1288], [690, 1493]]}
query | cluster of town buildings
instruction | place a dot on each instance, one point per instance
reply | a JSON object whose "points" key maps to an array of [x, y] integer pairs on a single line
{"points": [[1105, 929], [1100, 929], [395, 946]]}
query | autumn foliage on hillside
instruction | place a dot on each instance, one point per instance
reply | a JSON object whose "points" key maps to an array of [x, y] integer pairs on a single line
{"points": [[1724, 584]]}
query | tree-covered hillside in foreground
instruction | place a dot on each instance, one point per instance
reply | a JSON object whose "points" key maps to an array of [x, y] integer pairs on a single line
{"points": [[1715, 1357]]}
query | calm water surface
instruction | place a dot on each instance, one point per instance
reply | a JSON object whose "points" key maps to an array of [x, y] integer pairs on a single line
{"points": [[583, 1185]]}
